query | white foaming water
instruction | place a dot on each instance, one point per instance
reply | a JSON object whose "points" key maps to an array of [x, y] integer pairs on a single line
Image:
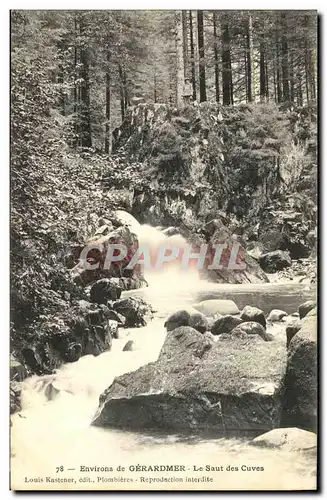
{"points": [[53, 429]]}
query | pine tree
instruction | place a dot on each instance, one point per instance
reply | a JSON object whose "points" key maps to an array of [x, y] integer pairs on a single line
{"points": [[202, 68]]}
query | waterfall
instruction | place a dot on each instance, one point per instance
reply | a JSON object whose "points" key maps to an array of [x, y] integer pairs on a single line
{"points": [[54, 429]]}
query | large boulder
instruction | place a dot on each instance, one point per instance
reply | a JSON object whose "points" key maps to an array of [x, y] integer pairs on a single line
{"points": [[250, 313], [199, 322], [276, 315], [136, 311], [272, 262], [104, 290], [225, 324], [213, 306], [197, 385], [195, 319], [179, 318], [306, 307], [274, 240], [300, 400], [291, 439]]}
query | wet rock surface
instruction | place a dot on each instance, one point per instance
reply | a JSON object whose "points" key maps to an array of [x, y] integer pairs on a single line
{"points": [[197, 384]]}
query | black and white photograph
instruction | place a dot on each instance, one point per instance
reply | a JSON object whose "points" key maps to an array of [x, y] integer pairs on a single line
{"points": [[163, 250]]}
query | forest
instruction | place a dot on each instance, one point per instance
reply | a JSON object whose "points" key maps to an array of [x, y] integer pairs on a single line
{"points": [[97, 63], [219, 107]]}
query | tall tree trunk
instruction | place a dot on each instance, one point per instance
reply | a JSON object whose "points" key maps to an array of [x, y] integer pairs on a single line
{"points": [[107, 145], [86, 137], [278, 72], [263, 66], [202, 68], [285, 63], [121, 91], [179, 60], [126, 98], [246, 75], [310, 59], [192, 55], [155, 96], [227, 79], [299, 87], [185, 45], [275, 81], [267, 78], [292, 83], [216, 54], [250, 66]]}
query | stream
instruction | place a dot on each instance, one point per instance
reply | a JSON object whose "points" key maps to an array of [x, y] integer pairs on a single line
{"points": [[53, 429]]}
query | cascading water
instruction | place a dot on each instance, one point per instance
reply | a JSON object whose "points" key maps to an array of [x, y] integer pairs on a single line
{"points": [[53, 429]]}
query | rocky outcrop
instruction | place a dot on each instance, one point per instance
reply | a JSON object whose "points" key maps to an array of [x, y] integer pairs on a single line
{"points": [[85, 328], [272, 262], [239, 268], [291, 439], [300, 401], [232, 386], [120, 229], [81, 330], [96, 256], [250, 313]]}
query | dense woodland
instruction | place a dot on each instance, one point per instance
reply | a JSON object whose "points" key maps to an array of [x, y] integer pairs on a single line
{"points": [[97, 63], [76, 75]]}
